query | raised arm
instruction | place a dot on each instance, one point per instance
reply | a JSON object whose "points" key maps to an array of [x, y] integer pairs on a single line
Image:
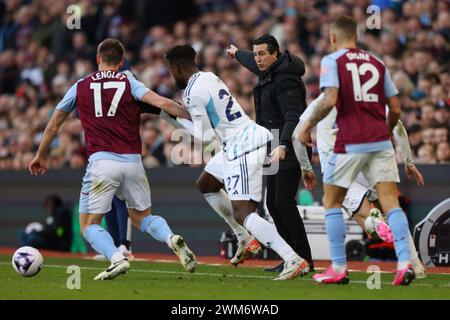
{"points": [[245, 58]]}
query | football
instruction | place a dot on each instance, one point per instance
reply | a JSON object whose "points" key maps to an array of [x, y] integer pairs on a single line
{"points": [[371, 224], [27, 261]]}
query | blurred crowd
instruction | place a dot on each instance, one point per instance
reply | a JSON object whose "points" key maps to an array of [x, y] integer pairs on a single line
{"points": [[40, 57]]}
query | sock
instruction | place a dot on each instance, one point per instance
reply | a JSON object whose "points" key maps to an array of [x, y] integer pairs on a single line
{"points": [[336, 238], [158, 228], [221, 203], [267, 234], [399, 226], [100, 241], [412, 248]]}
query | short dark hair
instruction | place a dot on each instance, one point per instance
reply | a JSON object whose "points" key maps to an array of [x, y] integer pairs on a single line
{"points": [[111, 51], [272, 43], [181, 55], [347, 25]]}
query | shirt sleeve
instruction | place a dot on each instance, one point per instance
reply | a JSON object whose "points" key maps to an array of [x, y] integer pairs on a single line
{"points": [[138, 89], [67, 104], [311, 107], [328, 73], [389, 87]]}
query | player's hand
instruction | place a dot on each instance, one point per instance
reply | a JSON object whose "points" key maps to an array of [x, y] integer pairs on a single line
{"points": [[309, 179], [38, 166], [277, 154], [305, 136], [412, 172], [231, 51]]}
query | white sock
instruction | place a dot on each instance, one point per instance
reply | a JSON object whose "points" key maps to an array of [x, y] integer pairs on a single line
{"points": [[221, 203], [267, 234], [412, 248], [414, 257], [169, 243]]}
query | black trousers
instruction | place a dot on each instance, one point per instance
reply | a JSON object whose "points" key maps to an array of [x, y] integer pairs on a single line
{"points": [[281, 191]]}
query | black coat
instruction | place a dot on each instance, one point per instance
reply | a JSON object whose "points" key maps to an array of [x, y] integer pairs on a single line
{"points": [[279, 97]]}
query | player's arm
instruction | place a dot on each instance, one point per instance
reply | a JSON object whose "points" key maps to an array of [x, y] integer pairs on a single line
{"points": [[147, 108], [323, 108], [391, 92], [308, 175], [300, 149], [401, 136], [63, 109], [165, 104], [141, 93], [38, 165]]}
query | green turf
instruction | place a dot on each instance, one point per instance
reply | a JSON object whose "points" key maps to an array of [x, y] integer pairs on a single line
{"points": [[168, 281]]}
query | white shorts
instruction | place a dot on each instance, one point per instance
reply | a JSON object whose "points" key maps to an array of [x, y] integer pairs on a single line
{"points": [[106, 178], [341, 169], [241, 177], [358, 190]]}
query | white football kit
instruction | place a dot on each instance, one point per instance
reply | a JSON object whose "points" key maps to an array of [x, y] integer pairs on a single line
{"points": [[326, 137], [239, 165]]}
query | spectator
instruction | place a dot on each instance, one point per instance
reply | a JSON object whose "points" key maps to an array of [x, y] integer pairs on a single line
{"points": [[442, 114], [426, 154], [40, 57], [443, 153], [440, 135], [55, 233], [415, 137], [428, 136]]}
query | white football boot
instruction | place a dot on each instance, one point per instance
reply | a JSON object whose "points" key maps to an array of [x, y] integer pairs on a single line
{"points": [[293, 269], [186, 256]]}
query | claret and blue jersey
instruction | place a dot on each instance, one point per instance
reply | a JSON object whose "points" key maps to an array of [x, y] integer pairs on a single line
{"points": [[364, 83], [106, 102]]}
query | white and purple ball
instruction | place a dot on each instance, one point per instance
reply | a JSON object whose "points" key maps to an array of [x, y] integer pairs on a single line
{"points": [[27, 261]]}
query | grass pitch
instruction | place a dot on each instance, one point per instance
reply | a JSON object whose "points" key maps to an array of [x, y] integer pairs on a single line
{"points": [[168, 281]]}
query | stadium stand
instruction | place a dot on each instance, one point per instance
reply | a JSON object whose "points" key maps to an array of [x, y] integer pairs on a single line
{"points": [[40, 58]]}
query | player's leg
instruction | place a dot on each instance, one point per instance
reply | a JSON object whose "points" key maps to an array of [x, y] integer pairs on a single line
{"points": [[100, 182], [245, 191], [417, 265], [135, 191], [335, 225], [123, 227], [382, 172], [339, 173], [210, 184], [218, 199], [112, 223], [158, 228], [357, 205]]}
